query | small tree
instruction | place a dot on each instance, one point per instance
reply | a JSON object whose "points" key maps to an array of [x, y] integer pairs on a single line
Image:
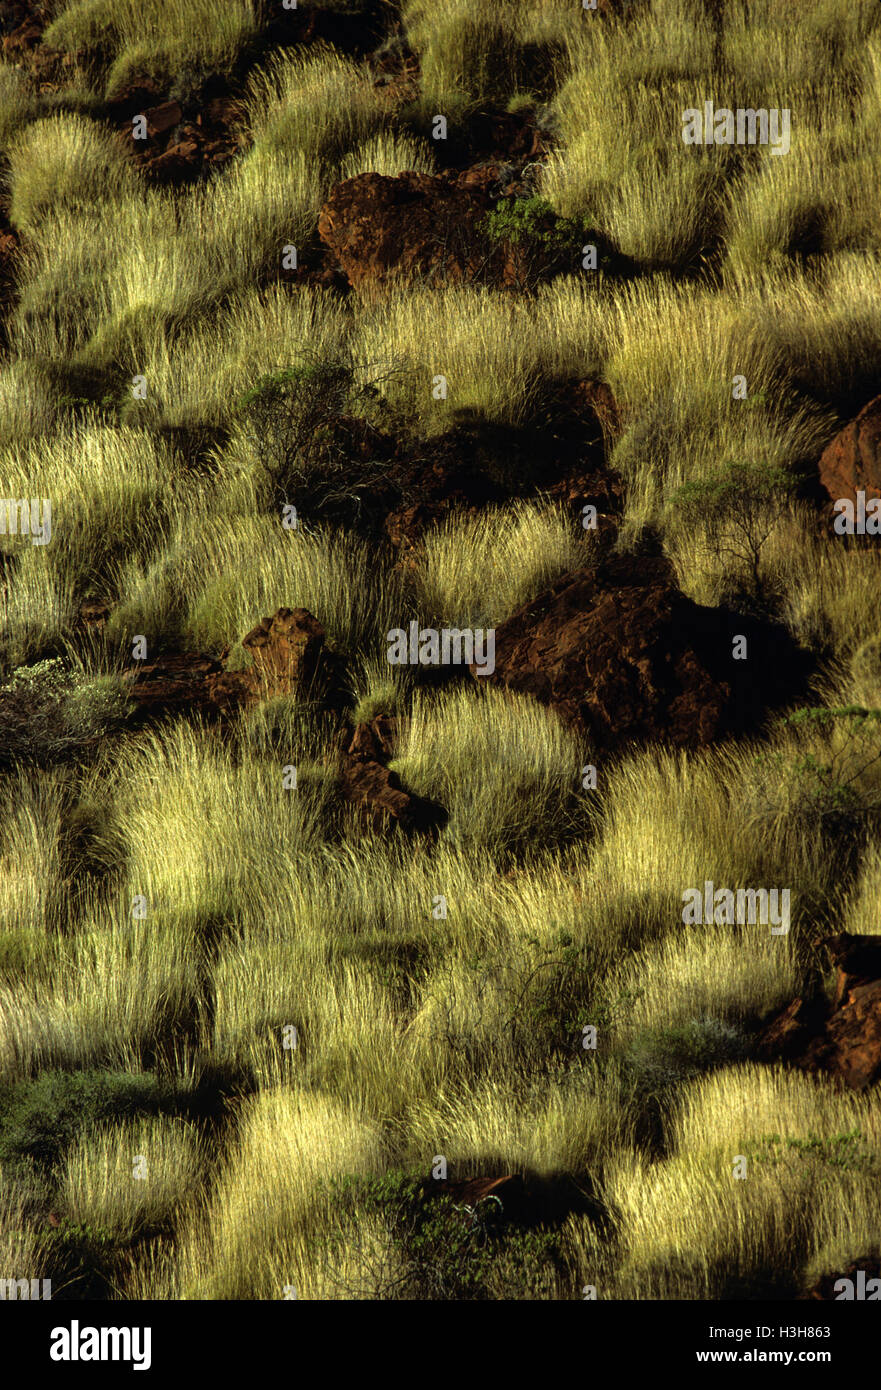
{"points": [[308, 426], [837, 791], [738, 509]]}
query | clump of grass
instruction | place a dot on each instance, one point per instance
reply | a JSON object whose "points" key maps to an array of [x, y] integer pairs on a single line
{"points": [[28, 404], [472, 56], [688, 1228], [131, 1178], [288, 1143], [108, 489], [479, 571], [390, 154], [206, 783], [17, 103], [65, 162], [152, 39], [320, 105], [498, 355], [241, 570], [192, 383], [528, 789]]}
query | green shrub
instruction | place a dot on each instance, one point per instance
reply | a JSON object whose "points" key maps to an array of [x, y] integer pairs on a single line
{"points": [[445, 1250], [546, 244], [840, 791], [831, 1156], [657, 1059], [307, 426], [50, 713], [738, 509], [39, 1119]]}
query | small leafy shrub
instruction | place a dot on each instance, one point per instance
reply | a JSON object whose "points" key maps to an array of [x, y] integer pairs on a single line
{"points": [[549, 999], [445, 1250], [540, 242], [828, 1158], [837, 793], [40, 1118], [107, 406], [658, 1059], [48, 712], [308, 427], [737, 509]]}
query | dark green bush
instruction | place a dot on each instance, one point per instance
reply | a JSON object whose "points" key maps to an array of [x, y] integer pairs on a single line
{"points": [[545, 243], [308, 426], [738, 509], [40, 1119], [50, 712], [658, 1059], [442, 1250]]}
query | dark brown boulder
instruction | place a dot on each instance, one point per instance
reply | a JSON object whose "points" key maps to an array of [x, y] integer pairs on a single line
{"points": [[386, 730], [858, 959], [364, 744], [622, 654], [852, 462], [288, 652], [93, 613], [26, 36], [841, 1037], [177, 164], [8, 250], [374, 741], [786, 1037], [368, 785], [850, 1046], [377, 793], [173, 684], [588, 396], [385, 230], [288, 656], [163, 117]]}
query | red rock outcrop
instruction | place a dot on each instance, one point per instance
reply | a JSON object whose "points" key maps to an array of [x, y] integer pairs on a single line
{"points": [[385, 230], [621, 653], [184, 139], [8, 248], [288, 655], [174, 684], [841, 1037], [376, 792], [850, 1045], [288, 652], [852, 462]]}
